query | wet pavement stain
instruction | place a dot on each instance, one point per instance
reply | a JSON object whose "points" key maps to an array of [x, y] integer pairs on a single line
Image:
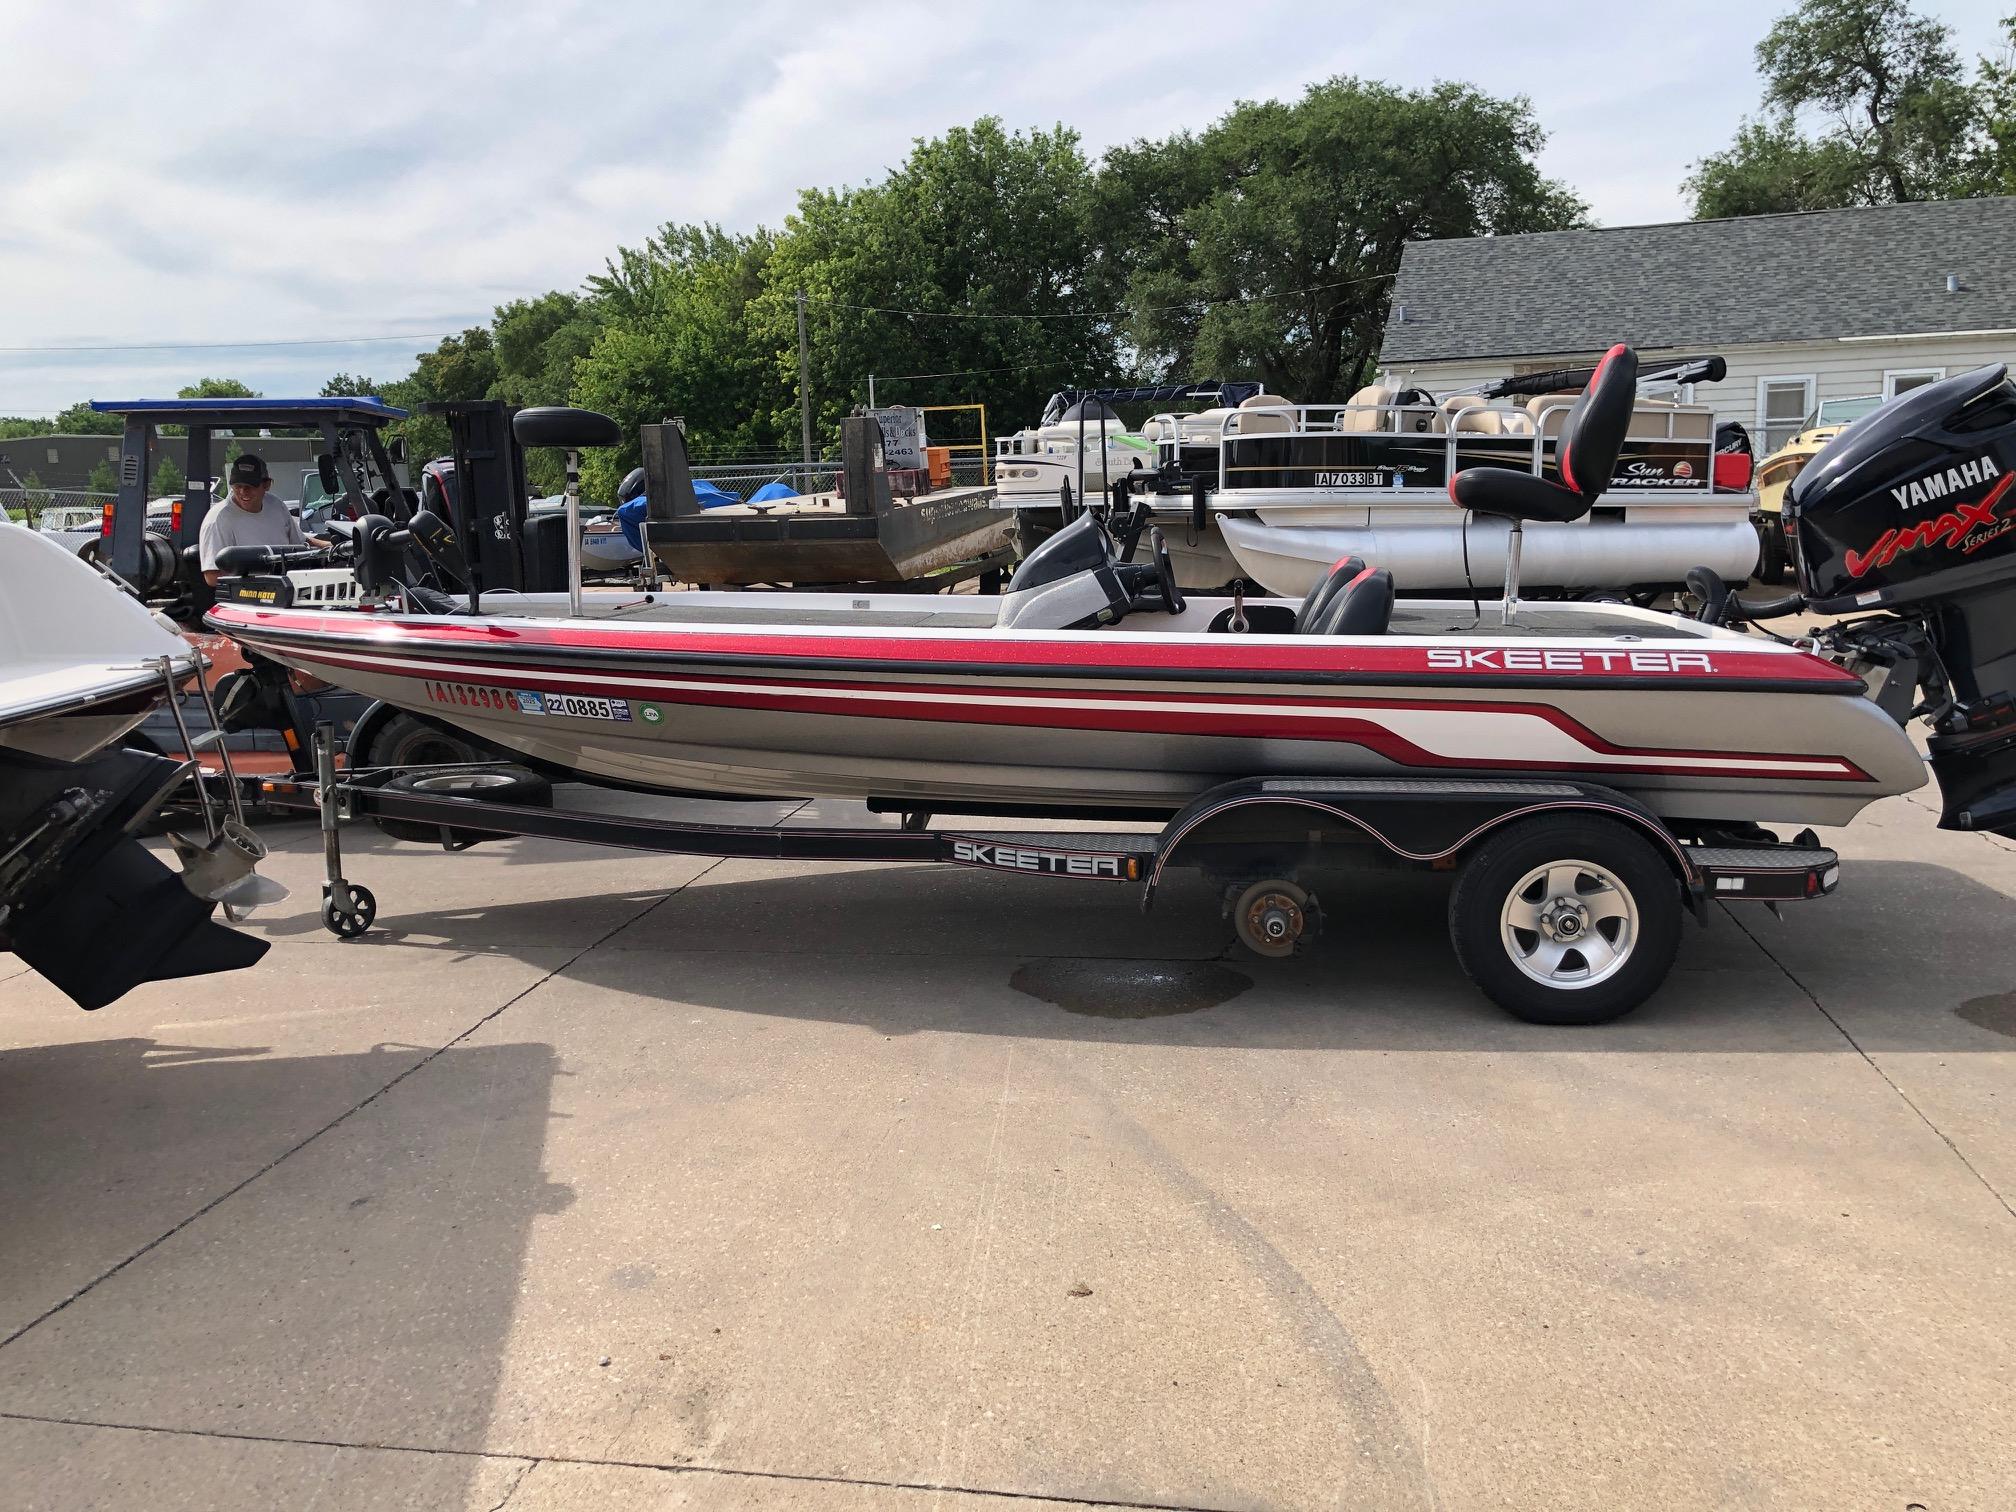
{"points": [[1997, 1011], [1129, 989]]}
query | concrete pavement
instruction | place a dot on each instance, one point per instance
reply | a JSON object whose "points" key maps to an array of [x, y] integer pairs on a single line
{"points": [[598, 1180]]}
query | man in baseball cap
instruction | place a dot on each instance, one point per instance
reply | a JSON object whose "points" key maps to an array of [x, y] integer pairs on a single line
{"points": [[251, 518]]}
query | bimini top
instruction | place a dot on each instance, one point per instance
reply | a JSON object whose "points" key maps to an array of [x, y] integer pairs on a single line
{"points": [[280, 413], [1207, 391]]}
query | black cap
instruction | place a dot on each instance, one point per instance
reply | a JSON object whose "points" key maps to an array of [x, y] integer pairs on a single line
{"points": [[246, 468]]}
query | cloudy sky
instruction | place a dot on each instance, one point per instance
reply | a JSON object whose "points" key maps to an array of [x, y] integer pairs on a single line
{"points": [[214, 172]]}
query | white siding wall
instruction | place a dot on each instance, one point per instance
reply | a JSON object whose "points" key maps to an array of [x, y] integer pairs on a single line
{"points": [[1840, 369]]}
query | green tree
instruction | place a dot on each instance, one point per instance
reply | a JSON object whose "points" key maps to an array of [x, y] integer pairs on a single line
{"points": [[539, 343], [34, 497], [980, 221], [1865, 103], [1266, 244], [461, 367], [104, 478], [678, 337], [169, 479], [344, 386], [1996, 97], [217, 388], [80, 419], [15, 427]]}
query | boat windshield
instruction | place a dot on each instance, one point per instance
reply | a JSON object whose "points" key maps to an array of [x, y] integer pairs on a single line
{"points": [[1842, 411]]}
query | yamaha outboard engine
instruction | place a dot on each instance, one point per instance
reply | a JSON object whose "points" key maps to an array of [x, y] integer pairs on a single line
{"points": [[1912, 510]]}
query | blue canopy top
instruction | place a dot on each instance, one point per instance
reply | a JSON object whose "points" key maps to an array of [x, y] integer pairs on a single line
{"points": [[284, 413]]}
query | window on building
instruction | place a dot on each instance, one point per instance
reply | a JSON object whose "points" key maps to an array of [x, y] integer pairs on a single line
{"points": [[1902, 380], [1783, 403], [54, 454]]}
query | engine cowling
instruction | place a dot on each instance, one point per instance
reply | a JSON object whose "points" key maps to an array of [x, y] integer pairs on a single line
{"points": [[1912, 509]]}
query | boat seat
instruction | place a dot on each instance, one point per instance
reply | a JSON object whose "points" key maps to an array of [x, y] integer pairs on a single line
{"points": [[1364, 606], [1255, 418], [1318, 598], [1367, 418], [1591, 437]]}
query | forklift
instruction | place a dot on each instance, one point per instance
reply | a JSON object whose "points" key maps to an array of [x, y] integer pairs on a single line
{"points": [[480, 488]]}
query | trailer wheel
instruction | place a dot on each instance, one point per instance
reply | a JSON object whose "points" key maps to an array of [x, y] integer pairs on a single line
{"points": [[1566, 920], [1273, 918], [491, 784], [348, 923]]}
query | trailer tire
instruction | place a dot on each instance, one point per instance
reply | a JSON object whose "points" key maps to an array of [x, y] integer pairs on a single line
{"points": [[1771, 552], [502, 783], [1566, 920], [405, 740]]}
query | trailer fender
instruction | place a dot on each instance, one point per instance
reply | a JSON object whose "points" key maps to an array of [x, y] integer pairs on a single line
{"points": [[362, 733], [1427, 821]]}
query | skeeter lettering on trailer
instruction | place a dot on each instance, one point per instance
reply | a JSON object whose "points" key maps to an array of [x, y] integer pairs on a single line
{"points": [[1573, 662]]}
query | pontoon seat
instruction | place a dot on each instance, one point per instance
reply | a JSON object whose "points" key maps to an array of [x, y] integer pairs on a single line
{"points": [[1650, 419], [1477, 421], [1368, 418], [1548, 411], [1260, 416]]}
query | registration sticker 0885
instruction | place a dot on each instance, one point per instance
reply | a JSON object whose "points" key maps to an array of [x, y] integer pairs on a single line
{"points": [[573, 706]]}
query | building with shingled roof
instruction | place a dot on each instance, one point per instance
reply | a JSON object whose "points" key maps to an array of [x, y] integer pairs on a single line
{"points": [[1826, 304]]}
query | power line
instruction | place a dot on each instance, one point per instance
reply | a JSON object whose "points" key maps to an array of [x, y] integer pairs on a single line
{"points": [[1027, 367], [1188, 304], [232, 346], [318, 341]]}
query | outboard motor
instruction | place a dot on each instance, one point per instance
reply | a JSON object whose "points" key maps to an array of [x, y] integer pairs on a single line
{"points": [[1912, 511]]}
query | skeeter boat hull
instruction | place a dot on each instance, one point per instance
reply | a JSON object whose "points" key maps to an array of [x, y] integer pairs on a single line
{"points": [[876, 697]]}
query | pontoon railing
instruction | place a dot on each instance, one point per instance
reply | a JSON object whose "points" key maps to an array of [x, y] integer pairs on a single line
{"points": [[1535, 429]]}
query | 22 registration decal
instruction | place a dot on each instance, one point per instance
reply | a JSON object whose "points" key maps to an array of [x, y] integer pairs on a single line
{"points": [[525, 701], [572, 705]]}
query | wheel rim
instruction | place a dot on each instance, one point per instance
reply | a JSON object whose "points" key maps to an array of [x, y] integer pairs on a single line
{"points": [[1569, 924], [462, 782]]}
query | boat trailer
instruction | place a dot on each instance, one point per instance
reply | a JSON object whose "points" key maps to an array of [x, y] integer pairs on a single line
{"points": [[1257, 839]]}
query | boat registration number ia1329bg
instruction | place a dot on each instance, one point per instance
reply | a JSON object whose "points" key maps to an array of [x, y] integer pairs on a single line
{"points": [[1053, 863]]}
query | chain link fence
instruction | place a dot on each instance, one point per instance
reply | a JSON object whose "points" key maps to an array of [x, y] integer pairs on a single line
{"points": [[743, 478], [47, 508]]}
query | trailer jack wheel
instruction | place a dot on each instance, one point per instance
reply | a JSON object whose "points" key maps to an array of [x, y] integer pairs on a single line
{"points": [[1273, 918], [349, 914]]}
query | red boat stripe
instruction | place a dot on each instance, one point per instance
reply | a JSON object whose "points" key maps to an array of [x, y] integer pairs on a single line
{"points": [[1253, 716], [1125, 654]]}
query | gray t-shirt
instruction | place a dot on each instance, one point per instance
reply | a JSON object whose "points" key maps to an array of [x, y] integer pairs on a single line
{"points": [[228, 525]]}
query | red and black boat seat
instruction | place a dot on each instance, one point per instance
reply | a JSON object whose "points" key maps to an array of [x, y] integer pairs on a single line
{"points": [[1363, 606], [1591, 437], [1319, 598]]}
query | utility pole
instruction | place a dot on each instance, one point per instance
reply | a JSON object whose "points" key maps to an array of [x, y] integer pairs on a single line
{"points": [[871, 391], [804, 381]]}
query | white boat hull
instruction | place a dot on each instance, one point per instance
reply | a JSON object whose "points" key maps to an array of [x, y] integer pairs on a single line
{"points": [[878, 697]]}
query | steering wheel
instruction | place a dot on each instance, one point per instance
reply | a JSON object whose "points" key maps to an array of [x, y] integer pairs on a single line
{"points": [[1165, 572]]}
